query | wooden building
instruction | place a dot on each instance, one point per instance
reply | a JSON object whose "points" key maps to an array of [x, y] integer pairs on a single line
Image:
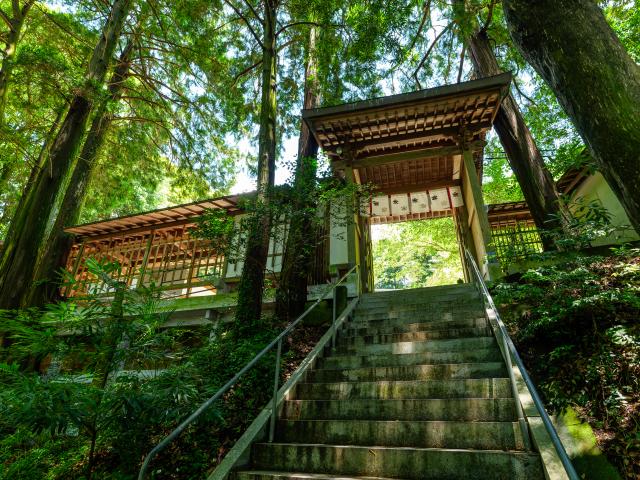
{"points": [[420, 153]]}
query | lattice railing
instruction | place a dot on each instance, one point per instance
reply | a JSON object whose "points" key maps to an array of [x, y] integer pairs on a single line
{"points": [[515, 240]]}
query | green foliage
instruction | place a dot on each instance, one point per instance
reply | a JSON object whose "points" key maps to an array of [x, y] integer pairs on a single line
{"points": [[590, 221], [52, 402], [416, 254], [575, 322]]}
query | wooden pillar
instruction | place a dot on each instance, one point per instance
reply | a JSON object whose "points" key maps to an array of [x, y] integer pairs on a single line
{"points": [[74, 271], [145, 259], [476, 190], [351, 212], [462, 230], [481, 215]]}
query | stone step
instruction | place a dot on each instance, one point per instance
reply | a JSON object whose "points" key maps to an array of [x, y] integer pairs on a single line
{"points": [[422, 292], [410, 463], [354, 329], [271, 475], [399, 348], [446, 303], [421, 434], [467, 332], [399, 389], [419, 316], [456, 305], [491, 354], [412, 372], [449, 409]]}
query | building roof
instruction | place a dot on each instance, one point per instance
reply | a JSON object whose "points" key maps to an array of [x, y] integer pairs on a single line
{"points": [[159, 218], [412, 141], [430, 118], [401, 143], [572, 179]]}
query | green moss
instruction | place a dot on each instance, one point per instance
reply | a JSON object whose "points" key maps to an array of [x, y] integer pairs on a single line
{"points": [[580, 439]]}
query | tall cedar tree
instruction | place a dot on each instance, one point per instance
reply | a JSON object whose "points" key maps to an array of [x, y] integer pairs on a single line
{"points": [[292, 292], [251, 284], [29, 226], [58, 243], [14, 23], [573, 48], [525, 159]]}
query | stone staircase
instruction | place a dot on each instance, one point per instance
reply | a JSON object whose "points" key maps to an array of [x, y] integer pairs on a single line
{"points": [[416, 388]]}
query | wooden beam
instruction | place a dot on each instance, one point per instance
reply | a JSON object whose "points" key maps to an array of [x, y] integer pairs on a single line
{"points": [[418, 187], [408, 154], [392, 139]]}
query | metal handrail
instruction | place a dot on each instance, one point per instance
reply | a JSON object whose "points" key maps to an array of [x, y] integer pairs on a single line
{"points": [[276, 341], [509, 350]]}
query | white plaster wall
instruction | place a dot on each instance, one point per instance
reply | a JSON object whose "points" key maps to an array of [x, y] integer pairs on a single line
{"points": [[596, 188], [338, 238]]}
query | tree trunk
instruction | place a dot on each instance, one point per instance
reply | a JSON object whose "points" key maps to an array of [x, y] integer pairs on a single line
{"points": [[15, 25], [58, 243], [525, 159], [571, 46], [43, 155], [30, 224], [251, 286], [292, 292]]}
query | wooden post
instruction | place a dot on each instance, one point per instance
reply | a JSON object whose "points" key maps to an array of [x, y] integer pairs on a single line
{"points": [[76, 265], [351, 226], [145, 260], [462, 244], [476, 190], [481, 213]]}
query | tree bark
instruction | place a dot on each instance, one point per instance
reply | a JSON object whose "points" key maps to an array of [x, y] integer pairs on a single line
{"points": [[58, 243], [15, 24], [572, 47], [251, 286], [525, 159], [291, 296], [31, 223]]}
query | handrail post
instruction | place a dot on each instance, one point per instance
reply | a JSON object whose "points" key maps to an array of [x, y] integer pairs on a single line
{"points": [[276, 381], [333, 321]]}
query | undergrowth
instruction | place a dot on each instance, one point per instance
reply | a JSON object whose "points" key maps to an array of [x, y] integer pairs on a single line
{"points": [[576, 325], [44, 423]]}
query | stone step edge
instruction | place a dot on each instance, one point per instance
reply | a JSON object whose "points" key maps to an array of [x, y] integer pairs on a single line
{"points": [[410, 366], [304, 475], [421, 449], [484, 349], [436, 331]]}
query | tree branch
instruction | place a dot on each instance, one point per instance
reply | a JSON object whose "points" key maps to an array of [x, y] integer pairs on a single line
{"points": [[253, 10], [15, 6], [426, 9], [428, 52], [462, 54], [26, 7], [246, 21], [65, 30], [515, 84], [315, 24], [489, 19], [6, 19], [245, 72]]}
